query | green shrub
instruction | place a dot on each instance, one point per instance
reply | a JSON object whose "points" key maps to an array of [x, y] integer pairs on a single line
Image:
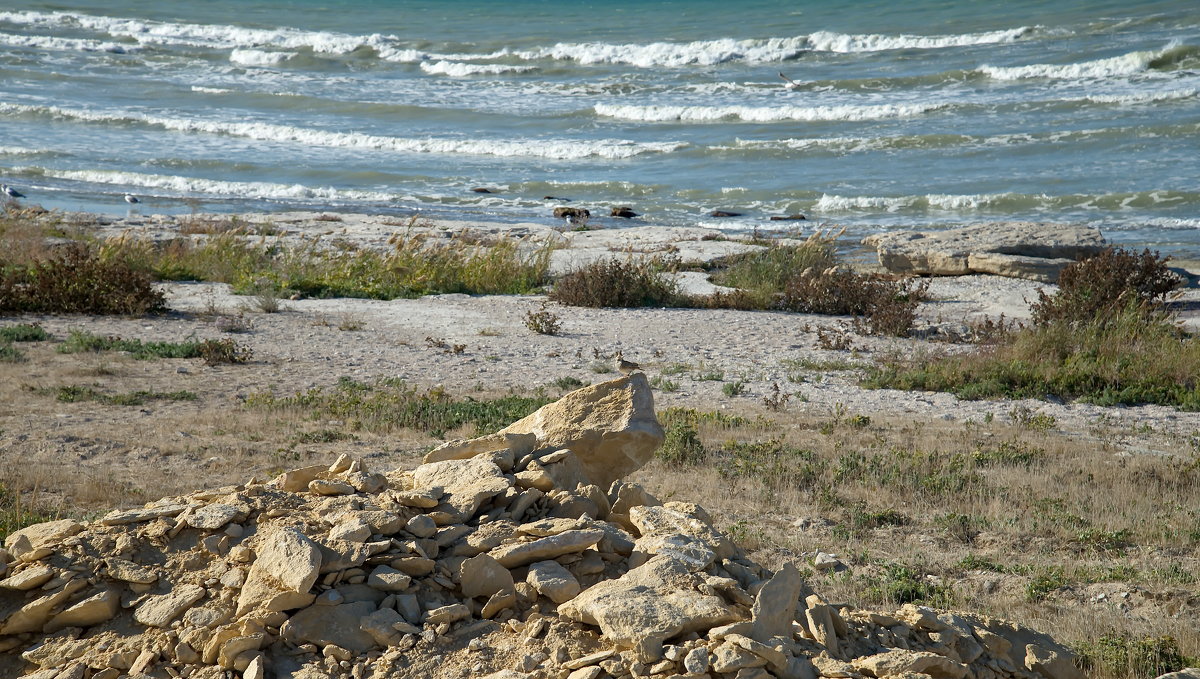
{"points": [[1144, 658], [1103, 285], [24, 332], [75, 278], [10, 354], [900, 584], [682, 446], [616, 283], [80, 341], [887, 307]]}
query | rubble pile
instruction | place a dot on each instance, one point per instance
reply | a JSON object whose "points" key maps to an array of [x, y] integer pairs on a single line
{"points": [[520, 554]]}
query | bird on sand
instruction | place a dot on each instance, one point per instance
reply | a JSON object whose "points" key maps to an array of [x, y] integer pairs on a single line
{"points": [[131, 199], [11, 192], [789, 84], [626, 367]]}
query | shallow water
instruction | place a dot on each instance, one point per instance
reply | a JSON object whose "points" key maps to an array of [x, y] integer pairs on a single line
{"points": [[935, 115]]}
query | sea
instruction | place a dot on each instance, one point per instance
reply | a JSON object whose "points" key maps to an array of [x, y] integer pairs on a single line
{"points": [[866, 115]]}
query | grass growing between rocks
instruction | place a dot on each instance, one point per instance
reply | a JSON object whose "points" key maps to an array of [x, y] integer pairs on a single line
{"points": [[1009, 520], [389, 405]]}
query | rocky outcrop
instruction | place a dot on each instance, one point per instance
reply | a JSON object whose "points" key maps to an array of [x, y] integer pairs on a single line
{"points": [[494, 564], [1033, 250]]}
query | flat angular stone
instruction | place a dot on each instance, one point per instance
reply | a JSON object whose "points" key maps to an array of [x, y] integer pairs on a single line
{"points": [[118, 518], [98, 608], [33, 615], [482, 575], [569, 542], [28, 578], [161, 610], [29, 538], [128, 571], [553, 581], [337, 625], [214, 516]]}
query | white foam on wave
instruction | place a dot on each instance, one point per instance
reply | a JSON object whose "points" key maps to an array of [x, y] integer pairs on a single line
{"points": [[1127, 64], [194, 185], [258, 58], [827, 41], [762, 114], [65, 44], [20, 151], [458, 69], [211, 90], [701, 53], [828, 203], [1146, 98], [558, 149], [199, 35]]}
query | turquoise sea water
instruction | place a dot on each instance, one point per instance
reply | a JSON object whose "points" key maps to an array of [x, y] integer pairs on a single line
{"points": [[925, 114]]}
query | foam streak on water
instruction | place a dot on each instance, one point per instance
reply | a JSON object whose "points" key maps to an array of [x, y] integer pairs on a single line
{"points": [[943, 114]]}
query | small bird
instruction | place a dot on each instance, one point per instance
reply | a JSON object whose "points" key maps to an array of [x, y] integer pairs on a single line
{"points": [[11, 192], [790, 84], [131, 199], [626, 367]]}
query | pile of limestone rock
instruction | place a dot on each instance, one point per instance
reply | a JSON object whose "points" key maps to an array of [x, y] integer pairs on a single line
{"points": [[518, 554]]}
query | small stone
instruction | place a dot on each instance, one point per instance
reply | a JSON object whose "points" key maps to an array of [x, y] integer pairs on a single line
{"points": [[421, 526], [448, 614], [550, 579], [387, 579]]}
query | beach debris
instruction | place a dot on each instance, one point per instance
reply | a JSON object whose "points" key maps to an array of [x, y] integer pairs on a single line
{"points": [[1032, 250], [503, 556]]}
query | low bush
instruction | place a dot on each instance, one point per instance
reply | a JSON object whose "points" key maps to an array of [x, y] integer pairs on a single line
{"points": [[1105, 285], [615, 283], [80, 341], [1127, 656], [217, 351], [76, 278], [24, 332], [886, 306]]}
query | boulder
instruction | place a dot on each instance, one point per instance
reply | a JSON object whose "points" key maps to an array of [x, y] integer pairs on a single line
{"points": [[338, 625], [38, 535], [1035, 250], [610, 427], [899, 662], [161, 610], [648, 605], [482, 575], [467, 483], [283, 574], [553, 581], [775, 606]]}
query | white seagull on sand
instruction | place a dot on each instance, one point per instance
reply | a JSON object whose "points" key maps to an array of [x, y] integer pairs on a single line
{"points": [[11, 192]]}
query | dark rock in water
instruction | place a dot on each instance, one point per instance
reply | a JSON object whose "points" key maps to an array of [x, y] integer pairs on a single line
{"points": [[480, 189], [623, 211], [723, 213], [565, 200], [787, 218], [572, 213]]}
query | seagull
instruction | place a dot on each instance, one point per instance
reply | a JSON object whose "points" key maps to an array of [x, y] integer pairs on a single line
{"points": [[131, 199], [575, 217], [626, 367], [11, 192], [790, 84]]}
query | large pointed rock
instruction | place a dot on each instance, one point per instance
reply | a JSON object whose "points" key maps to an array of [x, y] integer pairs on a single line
{"points": [[775, 607], [610, 427]]}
